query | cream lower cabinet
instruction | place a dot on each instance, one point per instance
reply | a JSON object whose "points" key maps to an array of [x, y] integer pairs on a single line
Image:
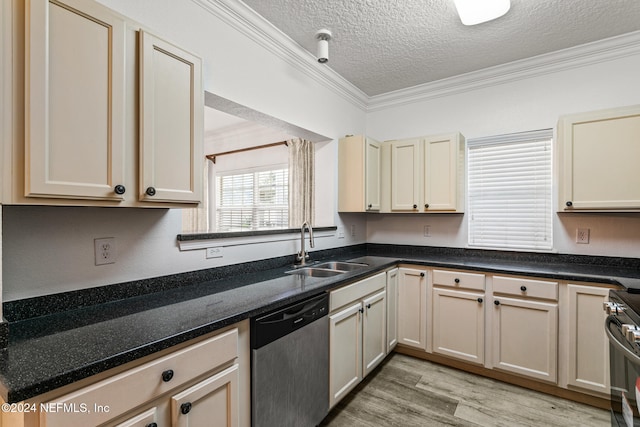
{"points": [[357, 333], [458, 310], [587, 356], [412, 307], [198, 386], [392, 309], [525, 327]]}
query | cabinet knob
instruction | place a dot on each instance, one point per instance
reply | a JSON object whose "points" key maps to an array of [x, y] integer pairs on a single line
{"points": [[185, 408], [569, 203], [496, 302], [456, 280], [361, 310], [370, 206], [480, 300], [119, 189], [152, 425], [167, 375], [422, 274], [415, 206], [368, 306], [151, 191], [426, 205], [523, 288]]}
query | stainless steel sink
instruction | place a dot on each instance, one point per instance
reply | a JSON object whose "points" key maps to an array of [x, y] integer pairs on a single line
{"points": [[341, 265], [327, 269], [315, 272]]}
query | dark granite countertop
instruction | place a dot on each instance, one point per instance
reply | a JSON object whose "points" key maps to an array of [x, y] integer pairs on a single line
{"points": [[60, 347]]}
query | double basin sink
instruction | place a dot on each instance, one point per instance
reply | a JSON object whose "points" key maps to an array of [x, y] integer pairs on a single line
{"points": [[328, 269]]}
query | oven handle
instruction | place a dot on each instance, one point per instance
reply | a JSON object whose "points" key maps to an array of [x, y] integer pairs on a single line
{"points": [[617, 344]]}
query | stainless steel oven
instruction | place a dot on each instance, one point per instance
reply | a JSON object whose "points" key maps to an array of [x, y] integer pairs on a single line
{"points": [[623, 330]]}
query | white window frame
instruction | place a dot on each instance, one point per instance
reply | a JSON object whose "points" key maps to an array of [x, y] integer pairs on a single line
{"points": [[508, 210], [255, 207]]}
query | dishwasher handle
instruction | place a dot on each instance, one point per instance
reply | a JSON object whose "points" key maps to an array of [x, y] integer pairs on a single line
{"points": [[272, 326]]}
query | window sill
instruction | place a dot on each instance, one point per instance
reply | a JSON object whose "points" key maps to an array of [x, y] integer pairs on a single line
{"points": [[194, 241]]}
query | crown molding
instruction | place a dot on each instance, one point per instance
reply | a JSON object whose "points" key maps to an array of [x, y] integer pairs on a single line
{"points": [[566, 59], [248, 22], [244, 19]]}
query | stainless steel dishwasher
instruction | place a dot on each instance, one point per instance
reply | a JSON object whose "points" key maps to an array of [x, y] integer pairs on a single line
{"points": [[290, 365]]}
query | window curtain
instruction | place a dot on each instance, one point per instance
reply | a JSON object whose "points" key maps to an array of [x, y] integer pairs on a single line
{"points": [[301, 182], [196, 220]]}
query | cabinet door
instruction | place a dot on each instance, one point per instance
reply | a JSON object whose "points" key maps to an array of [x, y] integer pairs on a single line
{"points": [[405, 175], [412, 307], [392, 309], [75, 87], [374, 331], [171, 122], [212, 402], [458, 324], [599, 153], [345, 351], [525, 337], [588, 344], [143, 419], [441, 173], [372, 175]]}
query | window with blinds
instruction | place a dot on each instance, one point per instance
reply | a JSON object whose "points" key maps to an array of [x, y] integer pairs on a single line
{"points": [[509, 191], [252, 200]]}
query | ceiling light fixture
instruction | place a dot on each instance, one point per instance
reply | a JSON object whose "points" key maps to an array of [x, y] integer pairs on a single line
{"points": [[323, 36], [474, 12]]}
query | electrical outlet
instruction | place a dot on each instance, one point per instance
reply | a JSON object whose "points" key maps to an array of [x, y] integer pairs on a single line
{"points": [[582, 235], [340, 232], [105, 250], [427, 231], [215, 252], [353, 230]]}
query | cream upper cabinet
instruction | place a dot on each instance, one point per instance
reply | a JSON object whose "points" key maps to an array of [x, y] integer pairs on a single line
{"points": [[525, 330], [406, 175], [74, 101], [412, 307], [588, 347], [171, 120], [444, 173], [458, 301], [598, 160], [426, 174], [113, 115], [359, 160]]}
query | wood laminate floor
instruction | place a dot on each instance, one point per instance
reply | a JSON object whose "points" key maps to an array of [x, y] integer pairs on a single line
{"points": [[407, 392]]}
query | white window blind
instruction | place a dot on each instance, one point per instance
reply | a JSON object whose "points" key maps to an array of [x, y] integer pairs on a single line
{"points": [[509, 191], [252, 200]]}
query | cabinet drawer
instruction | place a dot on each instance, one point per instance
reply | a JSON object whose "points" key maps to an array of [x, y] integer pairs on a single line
{"points": [[356, 291], [142, 384], [458, 279], [525, 287]]}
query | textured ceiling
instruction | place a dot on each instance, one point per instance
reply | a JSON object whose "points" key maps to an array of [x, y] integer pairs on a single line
{"points": [[385, 45]]}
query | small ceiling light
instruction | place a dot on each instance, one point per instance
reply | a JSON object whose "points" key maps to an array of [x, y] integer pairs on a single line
{"points": [[323, 36], [474, 12]]}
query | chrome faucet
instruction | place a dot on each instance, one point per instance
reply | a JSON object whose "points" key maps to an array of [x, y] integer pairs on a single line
{"points": [[303, 256]]}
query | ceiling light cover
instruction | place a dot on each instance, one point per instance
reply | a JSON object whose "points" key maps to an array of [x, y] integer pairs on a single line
{"points": [[474, 12]]}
